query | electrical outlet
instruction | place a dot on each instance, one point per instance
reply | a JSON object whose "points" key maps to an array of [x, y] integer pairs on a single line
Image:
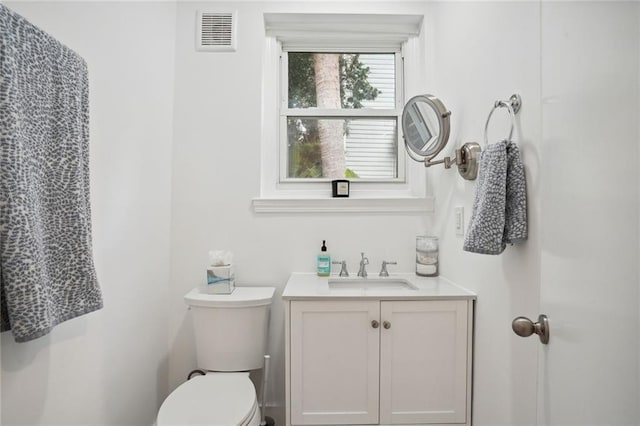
{"points": [[459, 220]]}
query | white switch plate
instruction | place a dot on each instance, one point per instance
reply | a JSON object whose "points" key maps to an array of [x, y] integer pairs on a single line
{"points": [[459, 220]]}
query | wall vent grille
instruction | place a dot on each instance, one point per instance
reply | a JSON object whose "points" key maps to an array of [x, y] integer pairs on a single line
{"points": [[216, 31]]}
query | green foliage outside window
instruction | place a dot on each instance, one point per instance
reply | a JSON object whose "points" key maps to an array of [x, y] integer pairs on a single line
{"points": [[304, 142]]}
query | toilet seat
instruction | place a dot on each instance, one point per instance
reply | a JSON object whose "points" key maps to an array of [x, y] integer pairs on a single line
{"points": [[215, 399]]}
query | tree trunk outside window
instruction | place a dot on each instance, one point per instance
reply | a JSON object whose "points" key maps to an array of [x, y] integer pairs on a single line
{"points": [[327, 72]]}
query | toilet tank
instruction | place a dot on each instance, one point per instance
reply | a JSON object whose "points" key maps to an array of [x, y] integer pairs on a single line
{"points": [[231, 329]]}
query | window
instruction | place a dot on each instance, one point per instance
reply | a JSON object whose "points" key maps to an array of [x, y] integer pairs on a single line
{"points": [[360, 114], [339, 115]]}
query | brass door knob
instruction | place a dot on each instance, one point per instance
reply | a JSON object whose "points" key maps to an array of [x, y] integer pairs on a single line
{"points": [[386, 325], [375, 324]]}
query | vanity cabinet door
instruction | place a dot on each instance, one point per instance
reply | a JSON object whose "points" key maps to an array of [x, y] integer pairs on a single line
{"points": [[423, 362], [334, 362]]}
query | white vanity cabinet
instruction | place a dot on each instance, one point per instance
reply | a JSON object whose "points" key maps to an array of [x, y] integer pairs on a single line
{"points": [[378, 360], [335, 358]]}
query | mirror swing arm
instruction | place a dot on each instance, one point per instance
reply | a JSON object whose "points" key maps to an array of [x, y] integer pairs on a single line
{"points": [[426, 127], [466, 159]]}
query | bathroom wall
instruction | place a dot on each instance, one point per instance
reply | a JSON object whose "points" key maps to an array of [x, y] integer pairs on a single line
{"points": [[216, 173], [471, 61], [110, 367], [174, 172], [568, 60], [482, 52]]}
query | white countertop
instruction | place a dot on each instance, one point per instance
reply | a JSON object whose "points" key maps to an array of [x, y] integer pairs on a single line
{"points": [[309, 286]]}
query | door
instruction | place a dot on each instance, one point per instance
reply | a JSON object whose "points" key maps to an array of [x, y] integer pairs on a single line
{"points": [[424, 361], [588, 373], [334, 362]]}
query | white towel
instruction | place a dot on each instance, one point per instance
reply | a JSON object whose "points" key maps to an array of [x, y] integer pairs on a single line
{"points": [[500, 206], [46, 264]]}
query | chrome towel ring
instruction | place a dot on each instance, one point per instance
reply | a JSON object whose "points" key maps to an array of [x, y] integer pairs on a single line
{"points": [[513, 106]]}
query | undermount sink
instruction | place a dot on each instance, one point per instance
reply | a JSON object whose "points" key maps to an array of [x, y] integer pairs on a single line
{"points": [[371, 283]]}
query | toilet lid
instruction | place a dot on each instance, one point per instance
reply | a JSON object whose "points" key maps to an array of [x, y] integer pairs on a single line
{"points": [[242, 297], [213, 399]]}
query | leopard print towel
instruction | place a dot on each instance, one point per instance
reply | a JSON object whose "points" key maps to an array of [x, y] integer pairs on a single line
{"points": [[47, 274]]}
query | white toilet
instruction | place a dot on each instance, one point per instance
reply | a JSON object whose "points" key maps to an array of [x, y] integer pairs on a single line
{"points": [[231, 338]]}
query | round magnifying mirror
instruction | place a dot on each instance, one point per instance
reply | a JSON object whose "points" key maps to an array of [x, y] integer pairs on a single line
{"points": [[425, 124]]}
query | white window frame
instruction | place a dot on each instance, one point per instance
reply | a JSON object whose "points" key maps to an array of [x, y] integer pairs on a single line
{"points": [[379, 31], [395, 113]]}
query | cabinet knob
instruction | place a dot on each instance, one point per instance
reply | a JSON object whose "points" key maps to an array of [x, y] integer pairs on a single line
{"points": [[386, 325], [375, 324]]}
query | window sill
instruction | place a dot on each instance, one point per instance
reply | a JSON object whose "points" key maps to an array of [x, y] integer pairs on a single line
{"points": [[344, 205]]}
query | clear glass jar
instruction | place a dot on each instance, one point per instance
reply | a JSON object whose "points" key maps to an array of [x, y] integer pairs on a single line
{"points": [[427, 256]]}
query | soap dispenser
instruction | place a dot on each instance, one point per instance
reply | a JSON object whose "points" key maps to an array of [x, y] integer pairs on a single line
{"points": [[324, 261]]}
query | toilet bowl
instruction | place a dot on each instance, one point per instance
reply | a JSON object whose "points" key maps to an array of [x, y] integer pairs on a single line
{"points": [[230, 333], [215, 399]]}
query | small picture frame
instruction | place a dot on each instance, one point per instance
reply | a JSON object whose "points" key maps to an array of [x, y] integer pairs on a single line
{"points": [[340, 188]]}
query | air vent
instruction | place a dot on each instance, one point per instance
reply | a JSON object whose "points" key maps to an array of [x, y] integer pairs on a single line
{"points": [[216, 31]]}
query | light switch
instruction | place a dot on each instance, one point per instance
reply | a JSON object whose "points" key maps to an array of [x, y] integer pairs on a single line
{"points": [[459, 220]]}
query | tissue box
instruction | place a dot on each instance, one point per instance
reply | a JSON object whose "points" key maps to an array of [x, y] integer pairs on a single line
{"points": [[220, 280]]}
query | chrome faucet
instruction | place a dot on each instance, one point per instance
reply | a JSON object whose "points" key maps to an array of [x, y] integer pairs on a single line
{"points": [[363, 263], [383, 271], [343, 269]]}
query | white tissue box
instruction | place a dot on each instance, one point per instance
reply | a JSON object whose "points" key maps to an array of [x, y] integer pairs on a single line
{"points": [[220, 280]]}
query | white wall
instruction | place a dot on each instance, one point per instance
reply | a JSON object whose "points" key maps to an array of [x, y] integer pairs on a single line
{"points": [[474, 61], [110, 367], [482, 52], [216, 173]]}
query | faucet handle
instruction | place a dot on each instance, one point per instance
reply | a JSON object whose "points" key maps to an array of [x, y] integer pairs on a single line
{"points": [[343, 269], [383, 270]]}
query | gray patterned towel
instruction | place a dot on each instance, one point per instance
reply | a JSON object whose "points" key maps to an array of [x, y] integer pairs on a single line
{"points": [[500, 205], [515, 214], [47, 274]]}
